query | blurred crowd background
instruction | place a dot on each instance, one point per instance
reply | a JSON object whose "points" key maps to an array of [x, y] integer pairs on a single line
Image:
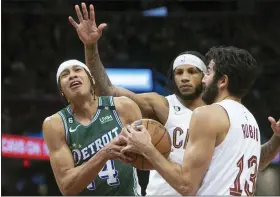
{"points": [[37, 37]]}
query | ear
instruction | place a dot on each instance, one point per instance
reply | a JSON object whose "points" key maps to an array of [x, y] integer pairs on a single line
{"points": [[62, 94], [223, 82]]}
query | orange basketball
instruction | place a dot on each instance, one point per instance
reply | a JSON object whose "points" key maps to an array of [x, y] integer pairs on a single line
{"points": [[160, 139]]}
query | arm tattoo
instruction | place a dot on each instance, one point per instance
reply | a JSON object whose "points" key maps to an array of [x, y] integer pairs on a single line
{"points": [[269, 151], [98, 71]]}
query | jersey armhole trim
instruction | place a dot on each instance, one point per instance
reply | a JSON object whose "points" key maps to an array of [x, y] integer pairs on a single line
{"points": [[65, 125], [230, 126], [170, 110], [96, 114], [115, 112], [135, 182]]}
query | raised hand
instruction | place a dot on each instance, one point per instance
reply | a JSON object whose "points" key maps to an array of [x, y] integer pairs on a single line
{"points": [[275, 126], [87, 30]]}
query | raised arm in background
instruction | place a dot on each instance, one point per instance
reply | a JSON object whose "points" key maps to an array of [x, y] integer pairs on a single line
{"points": [[151, 105]]}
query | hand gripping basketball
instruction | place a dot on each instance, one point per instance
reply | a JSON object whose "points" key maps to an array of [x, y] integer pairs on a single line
{"points": [[158, 136]]}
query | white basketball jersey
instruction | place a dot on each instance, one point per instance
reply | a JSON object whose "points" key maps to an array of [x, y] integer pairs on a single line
{"points": [[177, 125], [234, 165]]}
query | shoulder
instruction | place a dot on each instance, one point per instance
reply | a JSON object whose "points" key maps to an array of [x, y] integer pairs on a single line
{"points": [[211, 117], [123, 102], [53, 124], [127, 108], [211, 112], [53, 132]]}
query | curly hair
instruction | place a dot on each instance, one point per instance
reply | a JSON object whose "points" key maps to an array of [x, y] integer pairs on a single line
{"points": [[239, 65]]}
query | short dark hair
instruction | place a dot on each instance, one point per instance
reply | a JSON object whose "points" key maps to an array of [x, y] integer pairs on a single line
{"points": [[238, 64], [170, 73]]}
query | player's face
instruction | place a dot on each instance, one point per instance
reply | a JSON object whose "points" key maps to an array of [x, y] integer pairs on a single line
{"points": [[74, 81], [210, 86], [188, 82]]}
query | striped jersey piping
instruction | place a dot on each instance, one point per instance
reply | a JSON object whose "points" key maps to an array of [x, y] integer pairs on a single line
{"points": [[115, 112], [65, 124]]}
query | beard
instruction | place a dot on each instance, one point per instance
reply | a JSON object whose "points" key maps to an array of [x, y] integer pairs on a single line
{"points": [[210, 93], [191, 96]]}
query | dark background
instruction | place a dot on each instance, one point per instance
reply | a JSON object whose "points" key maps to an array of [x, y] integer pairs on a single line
{"points": [[37, 37]]}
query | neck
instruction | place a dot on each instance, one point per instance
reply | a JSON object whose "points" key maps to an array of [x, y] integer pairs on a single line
{"points": [[192, 104], [84, 108], [225, 95]]}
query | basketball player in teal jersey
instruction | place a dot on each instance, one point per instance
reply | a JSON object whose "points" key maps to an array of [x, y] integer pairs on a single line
{"points": [[82, 138]]}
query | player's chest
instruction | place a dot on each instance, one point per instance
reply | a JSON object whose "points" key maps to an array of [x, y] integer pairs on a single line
{"points": [[103, 126], [85, 142]]}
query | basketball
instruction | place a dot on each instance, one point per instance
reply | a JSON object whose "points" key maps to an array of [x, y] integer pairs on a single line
{"points": [[160, 139]]}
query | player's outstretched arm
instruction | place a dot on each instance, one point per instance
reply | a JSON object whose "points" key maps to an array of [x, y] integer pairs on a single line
{"points": [[89, 34], [185, 178], [72, 180], [270, 149]]}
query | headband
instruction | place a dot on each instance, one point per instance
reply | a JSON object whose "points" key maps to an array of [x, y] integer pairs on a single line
{"points": [[189, 59], [68, 64]]}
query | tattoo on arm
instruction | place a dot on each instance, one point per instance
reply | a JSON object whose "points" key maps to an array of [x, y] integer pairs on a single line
{"points": [[269, 151], [97, 70]]}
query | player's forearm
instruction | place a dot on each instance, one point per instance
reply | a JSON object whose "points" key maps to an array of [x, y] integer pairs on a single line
{"points": [[269, 151], [102, 81], [78, 178], [171, 172]]}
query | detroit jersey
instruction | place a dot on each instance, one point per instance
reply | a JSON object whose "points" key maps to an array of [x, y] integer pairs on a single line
{"points": [[116, 178], [234, 165], [177, 125]]}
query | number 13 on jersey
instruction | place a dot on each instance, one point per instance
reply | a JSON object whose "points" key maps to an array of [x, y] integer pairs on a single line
{"points": [[108, 173], [236, 190]]}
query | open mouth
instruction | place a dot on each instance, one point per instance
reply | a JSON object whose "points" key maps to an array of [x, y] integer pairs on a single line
{"points": [[75, 84]]}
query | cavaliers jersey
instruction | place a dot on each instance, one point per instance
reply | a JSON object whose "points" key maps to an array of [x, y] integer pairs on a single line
{"points": [[234, 165], [115, 178], [177, 125]]}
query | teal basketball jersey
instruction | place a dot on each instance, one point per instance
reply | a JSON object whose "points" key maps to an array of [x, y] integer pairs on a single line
{"points": [[116, 178]]}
